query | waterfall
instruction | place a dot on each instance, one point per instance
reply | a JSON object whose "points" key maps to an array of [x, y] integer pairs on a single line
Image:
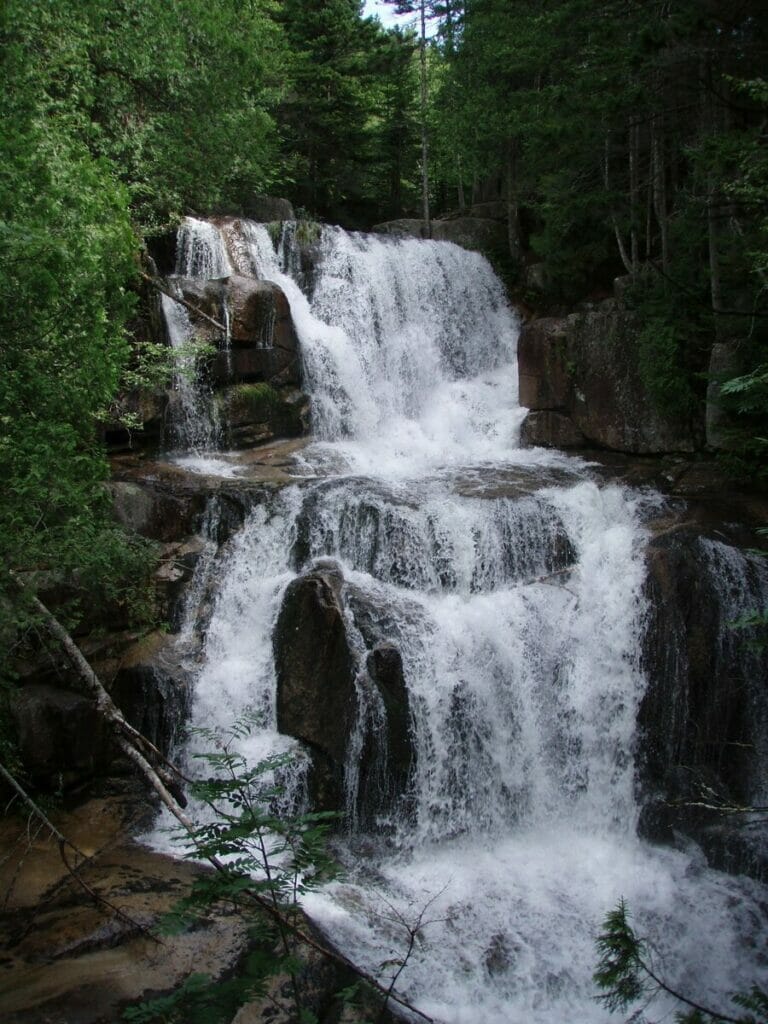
{"points": [[512, 583]]}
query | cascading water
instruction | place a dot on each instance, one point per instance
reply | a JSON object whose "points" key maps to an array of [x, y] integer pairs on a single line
{"points": [[512, 585]]}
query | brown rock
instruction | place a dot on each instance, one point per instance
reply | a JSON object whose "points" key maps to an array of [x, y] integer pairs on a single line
{"points": [[61, 737], [68, 960], [316, 698], [269, 209], [612, 406], [551, 430], [587, 367], [253, 413], [545, 380], [476, 233]]}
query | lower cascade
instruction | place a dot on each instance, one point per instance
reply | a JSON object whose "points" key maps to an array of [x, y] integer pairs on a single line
{"points": [[491, 611]]}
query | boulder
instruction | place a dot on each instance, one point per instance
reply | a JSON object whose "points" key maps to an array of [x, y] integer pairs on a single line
{"points": [[254, 413], [548, 429], [542, 362], [61, 736], [612, 406], [327, 699], [385, 669], [172, 577], [403, 228], [155, 511], [586, 367], [260, 324], [268, 209], [316, 670], [145, 411], [476, 233], [700, 717], [152, 690]]}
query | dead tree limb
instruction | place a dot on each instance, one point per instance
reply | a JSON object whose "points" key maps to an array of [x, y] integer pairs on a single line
{"points": [[135, 746], [177, 298], [74, 870]]}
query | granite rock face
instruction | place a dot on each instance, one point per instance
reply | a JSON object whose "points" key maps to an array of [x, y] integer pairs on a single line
{"points": [[585, 368], [331, 695], [702, 721]]}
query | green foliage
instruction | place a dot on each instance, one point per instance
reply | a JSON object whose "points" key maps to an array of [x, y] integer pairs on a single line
{"points": [[307, 231], [619, 971], [116, 119], [268, 855], [172, 94], [625, 976]]}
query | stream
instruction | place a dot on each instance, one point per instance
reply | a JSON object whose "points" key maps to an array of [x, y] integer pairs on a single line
{"points": [[511, 581]]}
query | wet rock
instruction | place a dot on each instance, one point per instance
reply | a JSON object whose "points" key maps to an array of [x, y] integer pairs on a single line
{"points": [[499, 955], [152, 690], [316, 669], [388, 757], [701, 720], [551, 430], [612, 406], [326, 699], [173, 575], [403, 228], [259, 320], [545, 380], [155, 509], [147, 409], [480, 234], [61, 737], [586, 368], [254, 413], [268, 209], [69, 960]]}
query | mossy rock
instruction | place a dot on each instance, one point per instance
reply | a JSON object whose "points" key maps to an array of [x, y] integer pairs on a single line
{"points": [[273, 412]]}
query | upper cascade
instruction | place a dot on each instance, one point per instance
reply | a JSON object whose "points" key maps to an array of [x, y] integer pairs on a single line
{"points": [[407, 347]]}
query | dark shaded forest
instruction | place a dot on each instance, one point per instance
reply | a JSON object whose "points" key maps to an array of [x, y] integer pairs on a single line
{"points": [[623, 138]]}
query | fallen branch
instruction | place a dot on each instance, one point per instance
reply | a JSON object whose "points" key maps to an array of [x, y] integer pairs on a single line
{"points": [[177, 298], [132, 743], [199, 312], [64, 844]]}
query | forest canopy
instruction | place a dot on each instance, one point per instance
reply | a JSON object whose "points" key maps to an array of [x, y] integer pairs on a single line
{"points": [[623, 137]]}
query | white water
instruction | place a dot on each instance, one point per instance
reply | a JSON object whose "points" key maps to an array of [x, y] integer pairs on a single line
{"points": [[511, 582]]}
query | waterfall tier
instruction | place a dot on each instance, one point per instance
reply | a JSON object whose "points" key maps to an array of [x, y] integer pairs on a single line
{"points": [[512, 585]]}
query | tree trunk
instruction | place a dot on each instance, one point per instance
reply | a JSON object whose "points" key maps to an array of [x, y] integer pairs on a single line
{"points": [[660, 189], [460, 186], [617, 232], [513, 214], [424, 130], [634, 194]]}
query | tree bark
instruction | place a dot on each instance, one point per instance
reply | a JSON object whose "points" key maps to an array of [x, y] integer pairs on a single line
{"points": [[660, 190], [130, 742], [424, 129]]}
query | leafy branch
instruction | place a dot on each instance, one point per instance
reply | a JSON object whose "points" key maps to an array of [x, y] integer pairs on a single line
{"points": [[626, 974]]}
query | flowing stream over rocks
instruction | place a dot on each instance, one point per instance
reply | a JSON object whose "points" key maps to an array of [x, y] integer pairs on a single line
{"points": [[511, 583]]}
